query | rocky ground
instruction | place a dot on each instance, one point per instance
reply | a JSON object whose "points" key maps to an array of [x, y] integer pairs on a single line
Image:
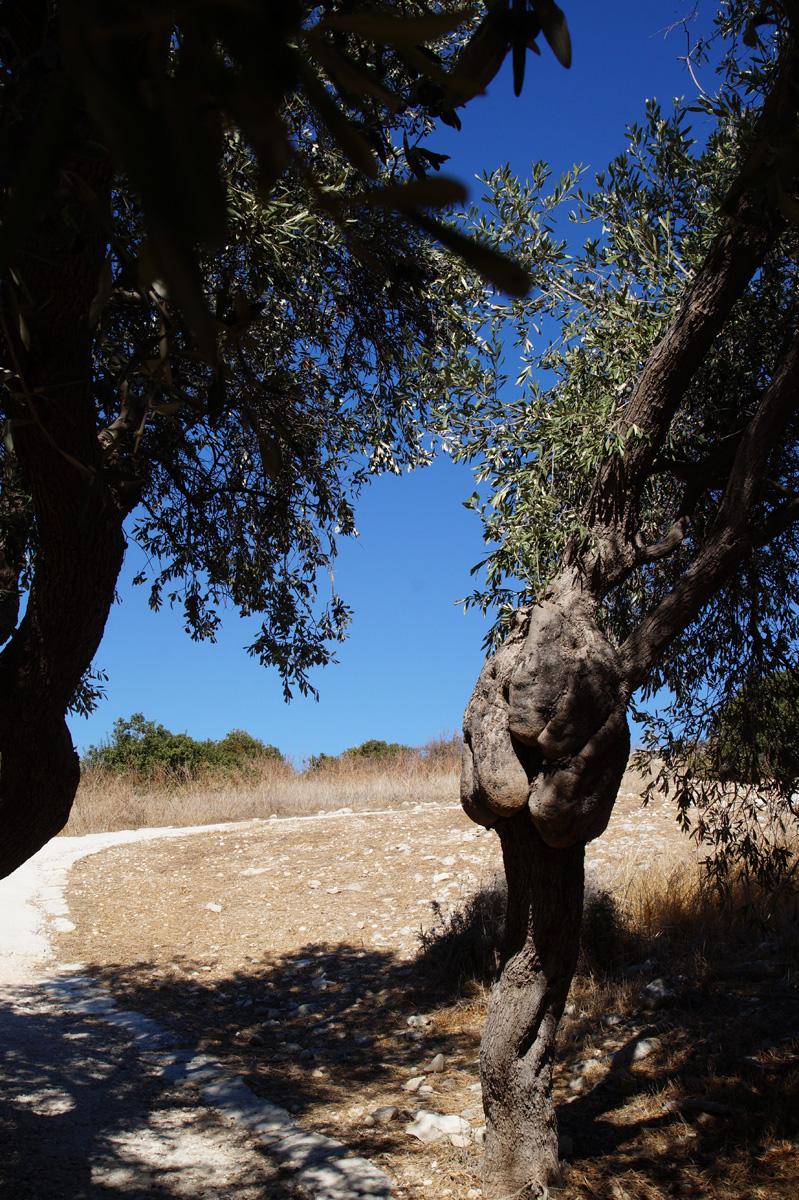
{"points": [[300, 954]]}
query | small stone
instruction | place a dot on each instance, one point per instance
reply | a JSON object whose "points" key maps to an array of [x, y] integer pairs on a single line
{"points": [[213, 907], [577, 1084], [257, 1039], [437, 1064], [651, 964], [414, 1084], [460, 1141], [441, 876], [425, 1127], [384, 1114], [479, 1135], [429, 1127], [419, 1021], [644, 1048], [657, 994], [314, 883], [426, 1090]]}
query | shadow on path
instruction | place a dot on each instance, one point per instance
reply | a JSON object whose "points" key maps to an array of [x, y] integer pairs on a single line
{"points": [[84, 1115]]}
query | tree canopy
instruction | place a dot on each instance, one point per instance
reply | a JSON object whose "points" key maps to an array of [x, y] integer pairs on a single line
{"points": [[225, 303]]}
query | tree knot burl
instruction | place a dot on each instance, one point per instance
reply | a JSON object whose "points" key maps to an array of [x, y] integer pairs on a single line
{"points": [[546, 727]]}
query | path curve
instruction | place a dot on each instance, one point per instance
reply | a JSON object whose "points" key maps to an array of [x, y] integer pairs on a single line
{"points": [[99, 1101]]}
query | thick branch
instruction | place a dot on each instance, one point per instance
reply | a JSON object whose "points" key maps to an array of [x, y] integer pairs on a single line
{"points": [[666, 546], [733, 534], [732, 260]]}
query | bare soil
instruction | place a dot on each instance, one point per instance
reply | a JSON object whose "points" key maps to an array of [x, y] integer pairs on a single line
{"points": [[290, 950]]}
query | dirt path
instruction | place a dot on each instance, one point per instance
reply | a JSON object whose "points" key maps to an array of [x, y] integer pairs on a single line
{"points": [[311, 1048], [87, 1114], [288, 951], [98, 1099]]}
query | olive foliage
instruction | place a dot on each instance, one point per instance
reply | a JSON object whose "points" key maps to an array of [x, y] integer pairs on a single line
{"points": [[225, 302]]}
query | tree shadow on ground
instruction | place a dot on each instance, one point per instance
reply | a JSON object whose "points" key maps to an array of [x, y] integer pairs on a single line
{"points": [[325, 1020], [83, 1116], [711, 1107], [329, 1023]]}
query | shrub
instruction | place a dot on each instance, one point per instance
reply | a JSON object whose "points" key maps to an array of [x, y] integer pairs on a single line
{"points": [[140, 747], [238, 746], [372, 751], [318, 761], [378, 749], [464, 947]]}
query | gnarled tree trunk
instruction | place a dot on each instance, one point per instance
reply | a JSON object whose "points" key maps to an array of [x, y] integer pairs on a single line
{"points": [[545, 746], [542, 940]]}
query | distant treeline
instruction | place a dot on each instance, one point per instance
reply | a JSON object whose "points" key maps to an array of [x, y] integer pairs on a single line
{"points": [[144, 748]]}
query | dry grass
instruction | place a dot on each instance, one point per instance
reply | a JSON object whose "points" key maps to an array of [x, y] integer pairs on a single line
{"points": [[713, 1110], [108, 801]]}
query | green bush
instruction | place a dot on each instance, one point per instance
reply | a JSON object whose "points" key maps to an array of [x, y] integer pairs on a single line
{"points": [[318, 761], [140, 747], [378, 749], [371, 751]]}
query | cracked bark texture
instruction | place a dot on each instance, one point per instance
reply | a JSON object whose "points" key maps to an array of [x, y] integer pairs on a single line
{"points": [[546, 728], [546, 743], [542, 940]]}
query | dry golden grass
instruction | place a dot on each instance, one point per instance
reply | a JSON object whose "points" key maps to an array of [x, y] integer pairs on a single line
{"points": [[108, 801]]}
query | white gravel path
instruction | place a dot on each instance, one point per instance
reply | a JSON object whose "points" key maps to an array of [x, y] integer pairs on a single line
{"points": [[98, 1102]]}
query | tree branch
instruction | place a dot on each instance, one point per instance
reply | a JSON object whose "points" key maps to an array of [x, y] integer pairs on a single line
{"points": [[666, 546], [732, 535], [732, 260]]}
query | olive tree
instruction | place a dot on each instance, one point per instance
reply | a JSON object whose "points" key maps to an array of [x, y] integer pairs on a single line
{"points": [[224, 305], [640, 498]]}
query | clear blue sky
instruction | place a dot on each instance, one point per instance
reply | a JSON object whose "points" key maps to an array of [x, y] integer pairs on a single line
{"points": [[413, 656]]}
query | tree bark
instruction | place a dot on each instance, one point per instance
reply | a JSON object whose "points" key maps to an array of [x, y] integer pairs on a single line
{"points": [[79, 543], [542, 941]]}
